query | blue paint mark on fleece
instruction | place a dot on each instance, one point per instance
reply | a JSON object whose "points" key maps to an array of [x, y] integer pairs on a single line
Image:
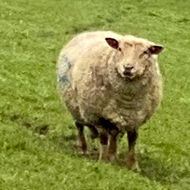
{"points": [[64, 66], [63, 79]]}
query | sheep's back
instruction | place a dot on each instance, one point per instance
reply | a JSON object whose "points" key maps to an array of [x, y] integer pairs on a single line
{"points": [[81, 71]]}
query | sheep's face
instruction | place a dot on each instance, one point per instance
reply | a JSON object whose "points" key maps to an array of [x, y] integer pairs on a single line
{"points": [[135, 56]]}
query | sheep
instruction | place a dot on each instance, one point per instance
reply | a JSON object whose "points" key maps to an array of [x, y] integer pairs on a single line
{"points": [[110, 83]]}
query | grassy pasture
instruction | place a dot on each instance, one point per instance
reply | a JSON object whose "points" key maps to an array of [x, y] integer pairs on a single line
{"points": [[37, 135]]}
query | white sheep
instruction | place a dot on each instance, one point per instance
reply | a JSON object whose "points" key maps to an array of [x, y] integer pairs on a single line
{"points": [[111, 83]]}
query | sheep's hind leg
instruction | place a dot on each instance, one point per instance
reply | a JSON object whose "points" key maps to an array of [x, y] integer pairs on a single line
{"points": [[131, 160], [104, 142], [94, 132], [108, 151], [81, 138], [112, 148]]}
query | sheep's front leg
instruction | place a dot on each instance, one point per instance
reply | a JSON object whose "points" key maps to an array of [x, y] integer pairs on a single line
{"points": [[81, 138], [103, 142], [131, 160], [112, 149]]}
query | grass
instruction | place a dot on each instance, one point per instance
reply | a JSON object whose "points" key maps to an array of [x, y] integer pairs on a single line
{"points": [[37, 135]]}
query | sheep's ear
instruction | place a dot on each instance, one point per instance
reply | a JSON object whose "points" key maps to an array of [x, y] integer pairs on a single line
{"points": [[156, 49], [112, 43]]}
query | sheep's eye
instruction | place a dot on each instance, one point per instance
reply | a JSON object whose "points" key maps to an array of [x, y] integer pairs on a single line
{"points": [[145, 52]]}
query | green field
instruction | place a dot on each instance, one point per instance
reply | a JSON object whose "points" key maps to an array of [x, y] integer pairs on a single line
{"points": [[37, 136]]}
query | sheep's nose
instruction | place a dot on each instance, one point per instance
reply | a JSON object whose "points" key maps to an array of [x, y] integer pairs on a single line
{"points": [[128, 69]]}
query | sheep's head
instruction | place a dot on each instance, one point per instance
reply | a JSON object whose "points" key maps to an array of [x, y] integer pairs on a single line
{"points": [[135, 55]]}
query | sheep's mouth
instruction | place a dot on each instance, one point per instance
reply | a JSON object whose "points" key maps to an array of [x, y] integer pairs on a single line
{"points": [[127, 77], [130, 77], [134, 76]]}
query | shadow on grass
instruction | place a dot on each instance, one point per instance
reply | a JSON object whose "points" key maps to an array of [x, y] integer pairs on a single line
{"points": [[155, 170], [151, 169], [34, 124], [68, 145]]}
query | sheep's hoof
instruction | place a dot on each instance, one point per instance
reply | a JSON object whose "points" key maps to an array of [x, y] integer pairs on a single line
{"points": [[83, 152], [103, 158], [82, 148], [103, 155], [112, 158], [133, 165]]}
